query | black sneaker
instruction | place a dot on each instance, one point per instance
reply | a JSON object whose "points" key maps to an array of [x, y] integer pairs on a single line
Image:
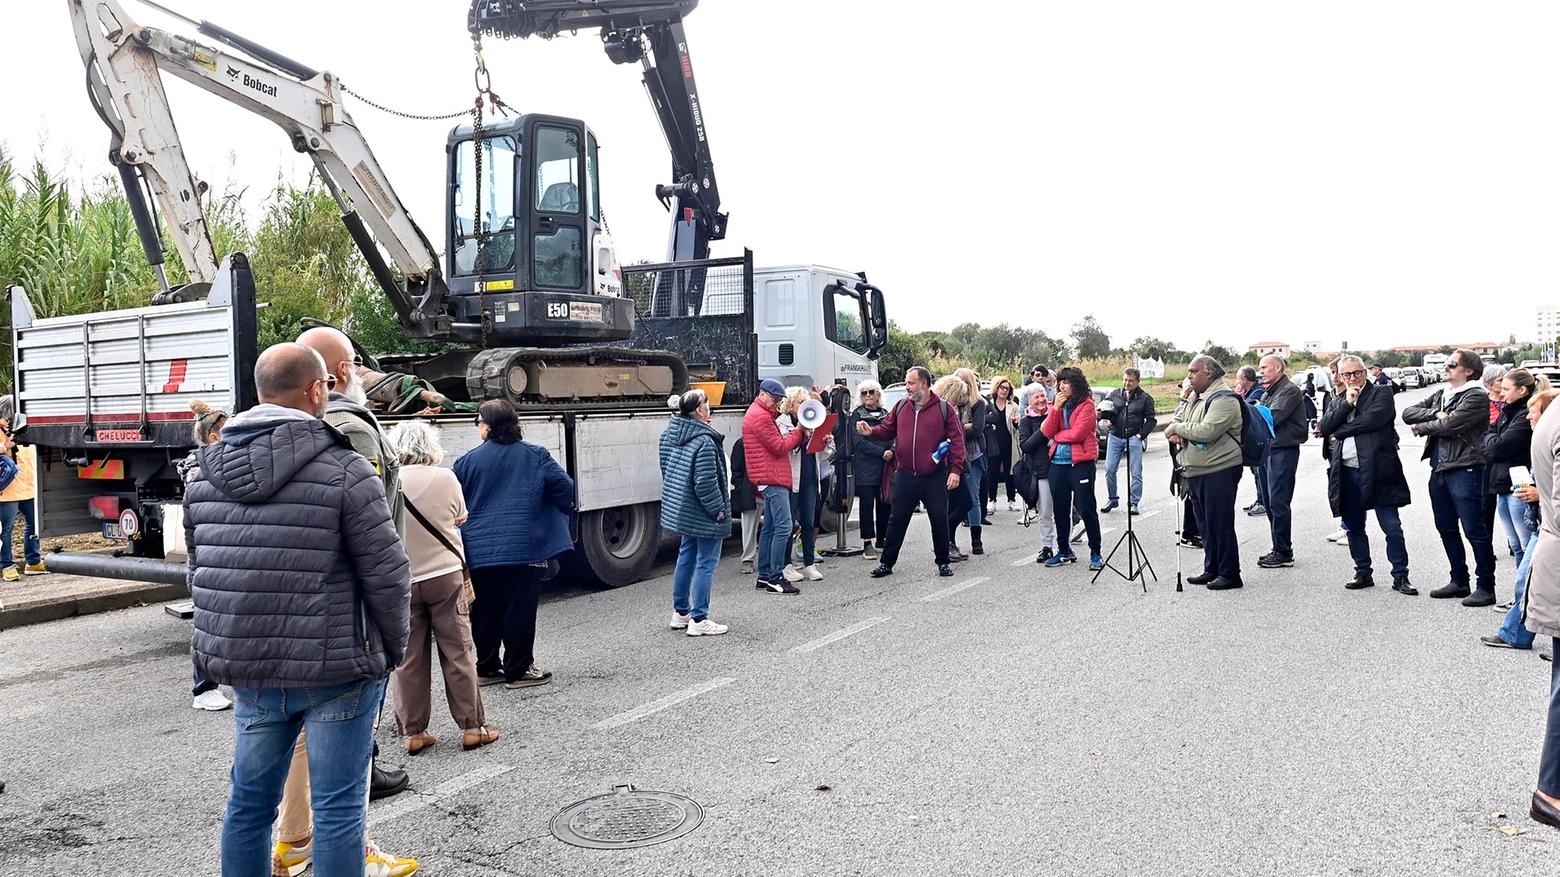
{"points": [[955, 555], [1449, 591], [1109, 507], [1403, 586], [881, 571], [1257, 511], [781, 586], [1045, 554], [1274, 560], [944, 570]]}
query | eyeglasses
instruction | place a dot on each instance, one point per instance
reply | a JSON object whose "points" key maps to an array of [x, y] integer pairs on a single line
{"points": [[329, 381], [1354, 374], [477, 421]]}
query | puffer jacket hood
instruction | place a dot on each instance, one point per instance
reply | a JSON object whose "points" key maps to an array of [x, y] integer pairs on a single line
{"points": [[261, 450], [686, 430]]}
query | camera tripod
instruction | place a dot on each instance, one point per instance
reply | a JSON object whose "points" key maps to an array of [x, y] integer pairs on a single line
{"points": [[1138, 566]]}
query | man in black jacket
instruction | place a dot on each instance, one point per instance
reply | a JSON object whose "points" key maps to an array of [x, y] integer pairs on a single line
{"points": [[1286, 402], [1365, 472], [301, 589], [1131, 415], [1455, 420]]}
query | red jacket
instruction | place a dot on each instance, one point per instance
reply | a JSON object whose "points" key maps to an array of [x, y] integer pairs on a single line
{"points": [[1080, 434], [913, 445], [767, 451]]}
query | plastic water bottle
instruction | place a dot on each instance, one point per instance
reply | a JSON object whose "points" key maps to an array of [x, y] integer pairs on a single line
{"points": [[942, 451]]}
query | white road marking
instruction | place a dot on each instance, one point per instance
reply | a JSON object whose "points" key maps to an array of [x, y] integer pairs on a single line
{"points": [[1141, 515], [838, 635], [656, 706], [444, 790], [1022, 561], [949, 592]]}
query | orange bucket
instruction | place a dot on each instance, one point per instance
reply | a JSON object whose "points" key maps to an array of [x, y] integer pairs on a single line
{"points": [[716, 390]]}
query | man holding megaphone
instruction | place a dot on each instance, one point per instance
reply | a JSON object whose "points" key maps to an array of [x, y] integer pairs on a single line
{"points": [[929, 448], [769, 468]]}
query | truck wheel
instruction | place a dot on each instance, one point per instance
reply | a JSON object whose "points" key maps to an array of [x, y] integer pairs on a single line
{"points": [[618, 545]]}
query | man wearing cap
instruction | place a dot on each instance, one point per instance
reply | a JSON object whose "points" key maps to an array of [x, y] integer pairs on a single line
{"points": [[768, 458], [1378, 376], [919, 425]]}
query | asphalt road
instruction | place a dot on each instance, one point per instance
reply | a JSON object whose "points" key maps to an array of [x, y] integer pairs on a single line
{"points": [[1009, 720]]}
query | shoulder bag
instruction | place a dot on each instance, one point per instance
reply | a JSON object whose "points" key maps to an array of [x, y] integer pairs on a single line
{"points": [[465, 571]]}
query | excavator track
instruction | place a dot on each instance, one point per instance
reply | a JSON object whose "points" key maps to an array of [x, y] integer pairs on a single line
{"points": [[582, 377]]}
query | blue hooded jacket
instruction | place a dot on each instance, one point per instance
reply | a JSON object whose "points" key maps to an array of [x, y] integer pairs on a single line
{"points": [[519, 500], [694, 501]]}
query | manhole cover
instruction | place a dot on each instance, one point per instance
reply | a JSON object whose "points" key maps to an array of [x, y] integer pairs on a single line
{"points": [[627, 818]]}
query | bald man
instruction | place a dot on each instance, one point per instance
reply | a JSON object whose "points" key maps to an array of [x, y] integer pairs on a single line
{"points": [[349, 413], [1286, 402], [302, 590]]}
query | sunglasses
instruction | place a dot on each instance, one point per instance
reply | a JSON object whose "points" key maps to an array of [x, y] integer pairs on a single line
{"points": [[870, 393], [329, 381], [477, 421]]}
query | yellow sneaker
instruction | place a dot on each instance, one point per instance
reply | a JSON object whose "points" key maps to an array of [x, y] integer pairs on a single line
{"points": [[12, 574], [290, 861], [378, 863], [36, 569]]}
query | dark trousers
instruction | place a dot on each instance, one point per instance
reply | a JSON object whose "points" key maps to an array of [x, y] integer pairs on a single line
{"points": [[905, 493], [1072, 490], [1279, 470], [873, 512], [1549, 761], [1189, 527], [503, 619], [804, 511], [959, 504], [203, 683], [1259, 475], [1457, 497], [999, 469], [1213, 501], [1354, 521]]}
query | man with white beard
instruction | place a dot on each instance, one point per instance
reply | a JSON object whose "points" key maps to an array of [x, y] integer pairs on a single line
{"points": [[349, 413]]}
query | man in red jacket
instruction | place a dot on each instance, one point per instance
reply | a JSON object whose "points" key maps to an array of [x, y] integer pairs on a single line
{"points": [[769, 469], [919, 425]]}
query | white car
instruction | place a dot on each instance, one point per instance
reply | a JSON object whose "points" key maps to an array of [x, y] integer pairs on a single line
{"points": [[1411, 378]]}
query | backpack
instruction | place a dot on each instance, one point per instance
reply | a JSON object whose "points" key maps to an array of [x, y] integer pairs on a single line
{"points": [[8, 471], [1256, 429]]}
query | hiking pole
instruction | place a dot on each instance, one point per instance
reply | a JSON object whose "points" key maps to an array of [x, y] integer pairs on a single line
{"points": [[1180, 536]]}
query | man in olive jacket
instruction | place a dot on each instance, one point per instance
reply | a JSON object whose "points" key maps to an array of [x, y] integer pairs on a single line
{"points": [[1364, 472], [301, 591], [1208, 431], [1455, 420]]}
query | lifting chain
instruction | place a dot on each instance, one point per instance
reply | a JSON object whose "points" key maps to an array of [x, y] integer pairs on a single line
{"points": [[413, 116]]}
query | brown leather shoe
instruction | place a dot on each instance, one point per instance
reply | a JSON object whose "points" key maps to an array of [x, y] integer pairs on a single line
{"points": [[1545, 812], [478, 736], [418, 742]]}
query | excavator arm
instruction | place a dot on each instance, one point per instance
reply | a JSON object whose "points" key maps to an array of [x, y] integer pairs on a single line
{"points": [[649, 32], [124, 62]]}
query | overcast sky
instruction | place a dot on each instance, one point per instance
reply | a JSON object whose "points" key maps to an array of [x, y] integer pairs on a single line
{"points": [[1377, 172]]}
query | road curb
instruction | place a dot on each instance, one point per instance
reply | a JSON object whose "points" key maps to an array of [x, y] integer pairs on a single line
{"points": [[70, 607]]}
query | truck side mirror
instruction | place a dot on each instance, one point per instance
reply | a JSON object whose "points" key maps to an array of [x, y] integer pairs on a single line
{"points": [[877, 317]]}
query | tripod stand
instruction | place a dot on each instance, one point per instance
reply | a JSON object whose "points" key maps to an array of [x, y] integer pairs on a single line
{"points": [[1137, 558]]}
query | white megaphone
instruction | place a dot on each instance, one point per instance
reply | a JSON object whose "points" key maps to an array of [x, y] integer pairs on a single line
{"points": [[811, 414]]}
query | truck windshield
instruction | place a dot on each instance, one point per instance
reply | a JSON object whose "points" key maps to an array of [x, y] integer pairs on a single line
{"points": [[498, 199]]}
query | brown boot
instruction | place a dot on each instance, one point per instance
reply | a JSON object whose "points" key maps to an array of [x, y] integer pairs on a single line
{"points": [[481, 735]]}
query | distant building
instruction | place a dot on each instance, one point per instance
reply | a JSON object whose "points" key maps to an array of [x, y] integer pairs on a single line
{"points": [[1263, 348], [1548, 324], [1492, 348], [1313, 347]]}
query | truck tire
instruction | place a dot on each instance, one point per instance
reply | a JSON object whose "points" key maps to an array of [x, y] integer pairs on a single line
{"points": [[618, 545]]}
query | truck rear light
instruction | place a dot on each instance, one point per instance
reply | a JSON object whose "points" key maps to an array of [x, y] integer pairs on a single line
{"points": [[104, 508]]}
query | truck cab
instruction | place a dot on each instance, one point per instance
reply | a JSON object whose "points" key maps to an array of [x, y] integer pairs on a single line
{"points": [[817, 325]]}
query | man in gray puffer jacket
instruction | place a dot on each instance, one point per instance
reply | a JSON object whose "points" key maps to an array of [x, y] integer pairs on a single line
{"points": [[301, 590]]}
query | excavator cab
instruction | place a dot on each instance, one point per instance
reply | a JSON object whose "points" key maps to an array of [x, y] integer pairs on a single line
{"points": [[528, 261]]}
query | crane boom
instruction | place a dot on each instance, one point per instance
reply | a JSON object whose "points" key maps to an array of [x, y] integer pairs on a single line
{"points": [[124, 61], [639, 31]]}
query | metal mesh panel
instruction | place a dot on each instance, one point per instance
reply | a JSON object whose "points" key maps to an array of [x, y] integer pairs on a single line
{"points": [[704, 290]]}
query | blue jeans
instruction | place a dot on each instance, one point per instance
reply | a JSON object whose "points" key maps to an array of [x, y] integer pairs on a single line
{"points": [[1512, 630], [774, 536], [29, 510], [1278, 472], [1513, 518], [1457, 497], [975, 482], [694, 577], [1113, 451], [340, 724], [1354, 524]]}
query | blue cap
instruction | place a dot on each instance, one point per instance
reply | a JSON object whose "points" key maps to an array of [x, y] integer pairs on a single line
{"points": [[773, 388]]}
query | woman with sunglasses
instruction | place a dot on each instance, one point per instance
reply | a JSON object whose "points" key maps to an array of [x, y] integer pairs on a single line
{"points": [[871, 459], [1002, 418]]}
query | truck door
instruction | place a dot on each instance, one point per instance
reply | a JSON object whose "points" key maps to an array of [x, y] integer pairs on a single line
{"points": [[556, 185], [846, 324]]}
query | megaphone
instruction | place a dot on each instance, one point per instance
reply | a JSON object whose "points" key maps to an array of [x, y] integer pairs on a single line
{"points": [[811, 414]]}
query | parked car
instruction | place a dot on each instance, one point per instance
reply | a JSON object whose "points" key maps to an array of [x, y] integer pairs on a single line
{"points": [[1548, 370], [892, 394], [1395, 375], [1411, 378]]}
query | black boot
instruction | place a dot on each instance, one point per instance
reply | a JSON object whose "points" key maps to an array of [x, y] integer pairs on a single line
{"points": [[954, 554], [975, 546]]}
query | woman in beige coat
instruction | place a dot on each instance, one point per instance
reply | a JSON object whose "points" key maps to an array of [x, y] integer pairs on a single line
{"points": [[1541, 605]]}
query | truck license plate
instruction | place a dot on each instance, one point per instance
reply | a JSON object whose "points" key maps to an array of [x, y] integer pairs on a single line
{"points": [[111, 530]]}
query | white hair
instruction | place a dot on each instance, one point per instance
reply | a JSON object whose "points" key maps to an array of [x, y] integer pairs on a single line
{"points": [[416, 443], [866, 385]]}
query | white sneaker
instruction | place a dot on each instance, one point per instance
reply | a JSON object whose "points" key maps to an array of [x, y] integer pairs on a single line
{"points": [[812, 573], [706, 627], [1340, 536], [213, 701], [792, 574], [378, 863], [1012, 506], [679, 620]]}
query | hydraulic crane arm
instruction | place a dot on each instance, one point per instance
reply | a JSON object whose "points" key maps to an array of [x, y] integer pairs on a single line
{"points": [[123, 65], [639, 31]]}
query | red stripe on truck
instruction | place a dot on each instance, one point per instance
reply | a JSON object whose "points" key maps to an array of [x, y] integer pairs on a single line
{"points": [[176, 370], [44, 419]]}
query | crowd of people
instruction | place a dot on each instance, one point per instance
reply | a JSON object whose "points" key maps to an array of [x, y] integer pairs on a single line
{"points": [[329, 558]]}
